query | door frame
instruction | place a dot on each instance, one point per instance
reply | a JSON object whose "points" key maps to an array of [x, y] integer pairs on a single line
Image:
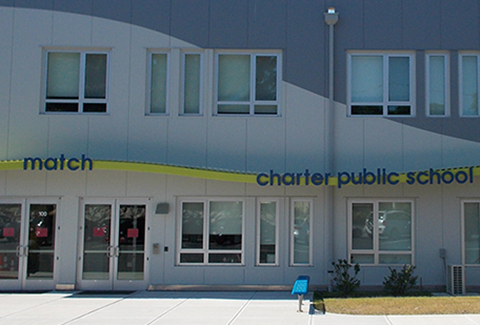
{"points": [[112, 283], [22, 282]]}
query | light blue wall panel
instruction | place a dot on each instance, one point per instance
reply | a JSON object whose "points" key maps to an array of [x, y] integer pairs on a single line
{"points": [[67, 135], [28, 129], [421, 149], [226, 145], [305, 131], [265, 144], [460, 153], [349, 145], [187, 138], [6, 25], [107, 137], [231, 33], [71, 30], [383, 144]]}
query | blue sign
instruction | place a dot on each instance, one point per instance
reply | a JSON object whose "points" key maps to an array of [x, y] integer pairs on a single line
{"points": [[61, 163]]}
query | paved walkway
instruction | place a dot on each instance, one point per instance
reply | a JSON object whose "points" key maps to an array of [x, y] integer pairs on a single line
{"points": [[156, 307]]}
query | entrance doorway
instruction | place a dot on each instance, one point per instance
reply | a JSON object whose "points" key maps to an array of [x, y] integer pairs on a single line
{"points": [[113, 237], [27, 244]]}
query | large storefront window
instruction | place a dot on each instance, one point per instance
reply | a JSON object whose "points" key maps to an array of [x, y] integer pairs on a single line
{"points": [[211, 232], [471, 231], [381, 232]]}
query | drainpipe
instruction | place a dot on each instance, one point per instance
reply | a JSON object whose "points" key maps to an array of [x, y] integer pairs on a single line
{"points": [[331, 18]]}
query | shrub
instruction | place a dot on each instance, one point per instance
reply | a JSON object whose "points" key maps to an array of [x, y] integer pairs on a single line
{"points": [[344, 281], [399, 282]]}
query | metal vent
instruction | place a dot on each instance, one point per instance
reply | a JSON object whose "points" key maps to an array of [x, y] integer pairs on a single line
{"points": [[455, 280]]}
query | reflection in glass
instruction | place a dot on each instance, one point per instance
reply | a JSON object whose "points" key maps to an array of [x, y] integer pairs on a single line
{"points": [[96, 240], [436, 81], [367, 79], [395, 259], [192, 225], [399, 79], [41, 241], [63, 75], [158, 84], [395, 226], [10, 221], [131, 239], [301, 232], [268, 219], [95, 75], [266, 78], [225, 225], [469, 86], [191, 91], [472, 232], [234, 78], [363, 229]]}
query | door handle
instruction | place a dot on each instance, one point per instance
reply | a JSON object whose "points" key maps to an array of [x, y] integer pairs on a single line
{"points": [[116, 251], [109, 251], [18, 253]]}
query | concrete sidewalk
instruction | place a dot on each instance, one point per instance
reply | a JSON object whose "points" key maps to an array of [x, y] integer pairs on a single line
{"points": [[176, 307]]}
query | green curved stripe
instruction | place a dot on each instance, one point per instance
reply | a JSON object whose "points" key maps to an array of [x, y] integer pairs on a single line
{"points": [[204, 173]]}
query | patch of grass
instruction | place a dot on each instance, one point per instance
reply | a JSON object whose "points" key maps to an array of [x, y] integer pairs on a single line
{"points": [[379, 304]]}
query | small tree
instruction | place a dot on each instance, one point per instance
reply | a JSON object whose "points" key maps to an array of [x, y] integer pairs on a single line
{"points": [[399, 282], [344, 281]]}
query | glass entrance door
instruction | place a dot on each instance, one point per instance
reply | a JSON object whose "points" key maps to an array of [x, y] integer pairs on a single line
{"points": [[113, 246], [27, 245]]}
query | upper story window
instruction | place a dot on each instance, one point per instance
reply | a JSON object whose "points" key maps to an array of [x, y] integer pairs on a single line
{"points": [[192, 83], [437, 85], [247, 84], [380, 84], [158, 94], [469, 85], [76, 82]]}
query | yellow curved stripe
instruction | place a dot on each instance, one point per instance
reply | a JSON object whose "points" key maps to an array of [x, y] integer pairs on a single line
{"points": [[207, 174], [174, 170]]}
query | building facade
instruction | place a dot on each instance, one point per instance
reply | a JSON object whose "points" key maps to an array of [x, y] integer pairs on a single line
{"points": [[164, 143]]}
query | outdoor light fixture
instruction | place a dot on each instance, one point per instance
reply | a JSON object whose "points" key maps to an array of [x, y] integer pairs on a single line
{"points": [[331, 16]]}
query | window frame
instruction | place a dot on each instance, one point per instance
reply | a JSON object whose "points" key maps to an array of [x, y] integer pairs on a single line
{"points": [[258, 234], [82, 80], [461, 55], [183, 83], [385, 103], [375, 251], [205, 250], [463, 233], [252, 102], [148, 108], [446, 83], [292, 232]]}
